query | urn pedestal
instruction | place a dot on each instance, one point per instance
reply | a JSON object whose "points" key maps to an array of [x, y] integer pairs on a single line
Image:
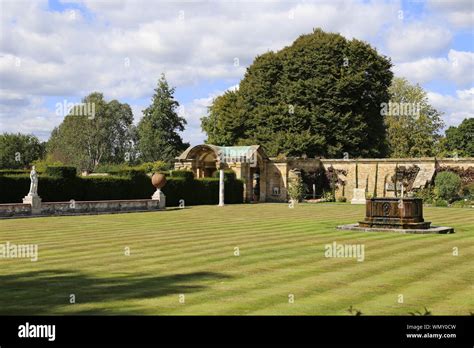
{"points": [[159, 196]]}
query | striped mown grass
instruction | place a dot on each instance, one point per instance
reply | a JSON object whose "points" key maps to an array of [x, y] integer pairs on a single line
{"points": [[192, 252]]}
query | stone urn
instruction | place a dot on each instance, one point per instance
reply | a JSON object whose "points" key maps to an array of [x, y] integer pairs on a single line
{"points": [[159, 180]]}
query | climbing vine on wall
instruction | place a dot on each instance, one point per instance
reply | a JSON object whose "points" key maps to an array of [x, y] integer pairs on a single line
{"points": [[408, 175], [334, 179]]}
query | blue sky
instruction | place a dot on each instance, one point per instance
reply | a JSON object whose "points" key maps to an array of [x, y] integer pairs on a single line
{"points": [[61, 50]]}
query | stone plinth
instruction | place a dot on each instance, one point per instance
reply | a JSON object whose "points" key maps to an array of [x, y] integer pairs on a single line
{"points": [[397, 213], [159, 196], [431, 230], [358, 196], [35, 201]]}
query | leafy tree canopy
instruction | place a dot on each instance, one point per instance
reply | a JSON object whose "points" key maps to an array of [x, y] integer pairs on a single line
{"points": [[319, 96], [85, 140], [158, 135], [413, 125], [19, 150], [460, 140]]}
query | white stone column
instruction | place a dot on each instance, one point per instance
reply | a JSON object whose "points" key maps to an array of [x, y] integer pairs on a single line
{"points": [[221, 187]]}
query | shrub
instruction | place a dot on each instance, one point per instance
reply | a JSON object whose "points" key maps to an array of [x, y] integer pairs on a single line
{"points": [[131, 173], [342, 199], [296, 189], [40, 165], [426, 194], [154, 167], [185, 174], [111, 168], [328, 196], [124, 169], [463, 203], [440, 203], [467, 191], [447, 186], [61, 171], [13, 171], [229, 174]]}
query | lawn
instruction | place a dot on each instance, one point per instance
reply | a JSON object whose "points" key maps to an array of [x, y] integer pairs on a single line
{"points": [[191, 252]]}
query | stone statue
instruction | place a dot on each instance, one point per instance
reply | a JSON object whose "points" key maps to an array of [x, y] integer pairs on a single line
{"points": [[32, 198], [34, 182]]}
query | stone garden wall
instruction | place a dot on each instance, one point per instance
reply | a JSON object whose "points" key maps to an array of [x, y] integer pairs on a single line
{"points": [[280, 172], [386, 168], [80, 207]]}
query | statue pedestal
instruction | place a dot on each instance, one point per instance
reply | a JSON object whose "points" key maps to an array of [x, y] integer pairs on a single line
{"points": [[159, 196], [358, 197], [35, 201]]}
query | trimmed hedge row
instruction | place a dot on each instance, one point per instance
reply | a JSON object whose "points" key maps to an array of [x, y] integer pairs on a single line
{"points": [[185, 174], [228, 174], [202, 191], [53, 189], [130, 173], [13, 171], [61, 171]]}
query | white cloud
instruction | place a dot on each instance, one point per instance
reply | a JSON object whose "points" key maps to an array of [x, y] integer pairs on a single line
{"points": [[26, 114], [417, 40], [456, 108], [457, 67], [68, 53], [120, 48], [460, 13], [194, 111]]}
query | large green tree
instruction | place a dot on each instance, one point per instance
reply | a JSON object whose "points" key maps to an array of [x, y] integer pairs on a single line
{"points": [[86, 140], [158, 137], [460, 140], [413, 125], [319, 96], [19, 150]]}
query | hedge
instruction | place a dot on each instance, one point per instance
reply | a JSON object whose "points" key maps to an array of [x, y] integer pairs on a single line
{"points": [[61, 171], [53, 189], [228, 174], [201, 191], [13, 171], [186, 174]]}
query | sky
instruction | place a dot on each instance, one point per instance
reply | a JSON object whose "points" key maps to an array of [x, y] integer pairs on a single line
{"points": [[60, 51]]}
